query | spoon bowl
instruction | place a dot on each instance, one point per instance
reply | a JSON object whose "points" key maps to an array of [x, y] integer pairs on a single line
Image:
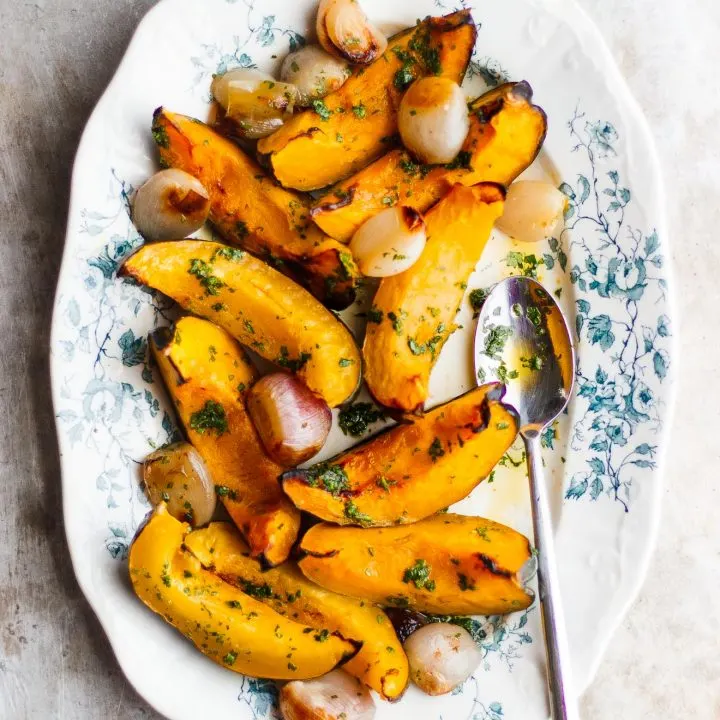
{"points": [[522, 339]]}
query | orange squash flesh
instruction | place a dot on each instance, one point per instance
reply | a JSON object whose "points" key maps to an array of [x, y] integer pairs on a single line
{"points": [[381, 662], [206, 374], [506, 134], [413, 312], [413, 470], [252, 212], [448, 564], [353, 125], [229, 627], [258, 306]]}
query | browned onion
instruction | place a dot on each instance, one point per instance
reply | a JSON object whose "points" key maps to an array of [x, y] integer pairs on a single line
{"points": [[292, 422], [171, 205], [177, 476], [343, 29]]}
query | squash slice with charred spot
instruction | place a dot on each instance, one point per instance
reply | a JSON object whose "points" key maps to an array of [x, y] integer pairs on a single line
{"points": [[230, 627], [413, 312], [381, 662], [506, 134], [206, 374], [412, 470], [353, 125], [258, 306], [252, 212], [448, 564]]}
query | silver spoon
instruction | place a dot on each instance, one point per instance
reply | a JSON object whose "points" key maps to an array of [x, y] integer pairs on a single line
{"points": [[522, 339]]}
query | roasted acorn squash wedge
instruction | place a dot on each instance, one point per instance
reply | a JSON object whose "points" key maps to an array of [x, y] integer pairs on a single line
{"points": [[207, 375], [448, 564], [357, 123], [381, 662], [413, 312], [257, 305], [230, 627], [252, 212], [506, 134], [414, 469]]}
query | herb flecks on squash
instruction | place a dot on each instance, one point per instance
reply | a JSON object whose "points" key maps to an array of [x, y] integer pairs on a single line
{"points": [[506, 134], [234, 630], [358, 122], [412, 470], [258, 306], [381, 663], [251, 211], [448, 564], [416, 309]]}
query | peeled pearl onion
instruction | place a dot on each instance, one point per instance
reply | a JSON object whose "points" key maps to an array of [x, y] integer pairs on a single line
{"points": [[336, 696], [533, 211], [171, 205], [390, 242], [314, 72], [433, 119], [442, 656]]}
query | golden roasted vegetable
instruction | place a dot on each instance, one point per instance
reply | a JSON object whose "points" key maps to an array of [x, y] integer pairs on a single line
{"points": [[206, 374], [413, 312], [353, 125], [506, 133], [413, 469], [230, 627], [447, 564], [251, 211], [381, 662], [257, 305]]}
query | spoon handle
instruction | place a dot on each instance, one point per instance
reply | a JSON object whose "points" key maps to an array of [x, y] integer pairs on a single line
{"points": [[563, 703]]}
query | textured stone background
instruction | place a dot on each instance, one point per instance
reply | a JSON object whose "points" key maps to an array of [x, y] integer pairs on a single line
{"points": [[55, 60]]}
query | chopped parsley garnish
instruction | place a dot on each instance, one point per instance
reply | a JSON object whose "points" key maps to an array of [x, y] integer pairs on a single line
{"points": [[355, 419], [482, 533], [322, 109], [534, 362], [255, 590], [477, 299], [217, 307], [374, 315], [404, 76], [284, 360], [241, 387], [249, 326], [359, 111], [461, 161], [203, 272], [160, 136], [211, 417], [353, 513], [230, 658], [225, 491], [496, 339], [233, 254], [419, 576], [333, 478], [436, 449], [322, 636], [345, 362], [397, 321]]}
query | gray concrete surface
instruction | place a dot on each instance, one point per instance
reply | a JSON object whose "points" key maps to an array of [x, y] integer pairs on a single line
{"points": [[55, 60]]}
